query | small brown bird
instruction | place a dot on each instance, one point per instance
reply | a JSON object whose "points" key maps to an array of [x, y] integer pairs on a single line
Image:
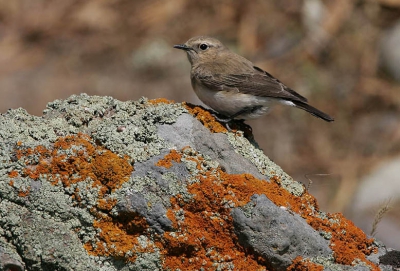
{"points": [[235, 88]]}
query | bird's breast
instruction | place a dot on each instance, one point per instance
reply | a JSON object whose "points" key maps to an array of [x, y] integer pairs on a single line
{"points": [[229, 102]]}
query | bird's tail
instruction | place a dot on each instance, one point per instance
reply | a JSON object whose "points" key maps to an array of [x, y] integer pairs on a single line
{"points": [[313, 111]]}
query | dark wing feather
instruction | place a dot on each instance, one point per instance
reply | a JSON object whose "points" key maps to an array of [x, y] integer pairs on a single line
{"points": [[301, 98], [260, 83], [313, 111]]}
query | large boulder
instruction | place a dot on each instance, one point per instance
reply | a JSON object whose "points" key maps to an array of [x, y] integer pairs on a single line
{"points": [[100, 184]]}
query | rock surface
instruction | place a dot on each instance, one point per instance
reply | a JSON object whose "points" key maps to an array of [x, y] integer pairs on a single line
{"points": [[100, 184]]}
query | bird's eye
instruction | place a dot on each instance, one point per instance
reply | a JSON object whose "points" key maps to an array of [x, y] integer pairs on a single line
{"points": [[203, 46]]}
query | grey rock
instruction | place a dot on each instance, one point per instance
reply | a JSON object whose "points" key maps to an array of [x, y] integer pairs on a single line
{"points": [[9, 258], [97, 219], [188, 131], [268, 229]]}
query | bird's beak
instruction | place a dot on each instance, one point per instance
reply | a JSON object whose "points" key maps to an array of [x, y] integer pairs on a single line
{"points": [[183, 47]]}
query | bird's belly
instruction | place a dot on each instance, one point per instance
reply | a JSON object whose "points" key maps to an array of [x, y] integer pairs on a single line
{"points": [[229, 103]]}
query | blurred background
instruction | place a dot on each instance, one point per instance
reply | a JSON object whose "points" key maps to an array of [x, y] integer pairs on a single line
{"points": [[343, 55]]}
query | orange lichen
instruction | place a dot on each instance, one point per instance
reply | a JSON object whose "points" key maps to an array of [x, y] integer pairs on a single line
{"points": [[161, 100], [206, 235], [76, 159], [205, 118], [347, 242], [110, 170], [166, 162], [106, 204], [107, 170], [11, 183], [13, 174], [118, 237], [24, 193], [298, 264]]}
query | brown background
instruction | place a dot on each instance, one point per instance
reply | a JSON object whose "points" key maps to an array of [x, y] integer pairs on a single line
{"points": [[52, 49]]}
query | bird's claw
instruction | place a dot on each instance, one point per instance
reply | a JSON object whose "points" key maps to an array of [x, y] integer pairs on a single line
{"points": [[225, 120]]}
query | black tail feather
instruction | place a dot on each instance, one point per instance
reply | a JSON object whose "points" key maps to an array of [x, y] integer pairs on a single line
{"points": [[313, 111]]}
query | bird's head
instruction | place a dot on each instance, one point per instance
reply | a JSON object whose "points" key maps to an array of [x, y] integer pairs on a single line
{"points": [[201, 49]]}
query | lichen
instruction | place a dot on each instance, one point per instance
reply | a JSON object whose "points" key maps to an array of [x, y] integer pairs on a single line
{"points": [[75, 160], [80, 170], [205, 118], [215, 192], [347, 241], [299, 264], [263, 163]]}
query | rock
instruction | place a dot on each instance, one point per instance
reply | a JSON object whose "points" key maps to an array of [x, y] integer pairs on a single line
{"points": [[100, 184]]}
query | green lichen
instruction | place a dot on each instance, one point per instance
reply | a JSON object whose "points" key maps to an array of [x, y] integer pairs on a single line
{"points": [[126, 128], [147, 262], [175, 186]]}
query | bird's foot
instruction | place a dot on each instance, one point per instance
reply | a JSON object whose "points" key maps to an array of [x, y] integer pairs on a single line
{"points": [[223, 119], [227, 120]]}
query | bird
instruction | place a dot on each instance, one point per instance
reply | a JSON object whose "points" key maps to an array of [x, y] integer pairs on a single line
{"points": [[233, 86]]}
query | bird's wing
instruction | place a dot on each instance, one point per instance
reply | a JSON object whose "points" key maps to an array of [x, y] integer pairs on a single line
{"points": [[260, 83]]}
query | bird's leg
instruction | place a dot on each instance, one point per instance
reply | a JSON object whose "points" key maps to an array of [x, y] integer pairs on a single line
{"points": [[226, 120], [221, 118]]}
